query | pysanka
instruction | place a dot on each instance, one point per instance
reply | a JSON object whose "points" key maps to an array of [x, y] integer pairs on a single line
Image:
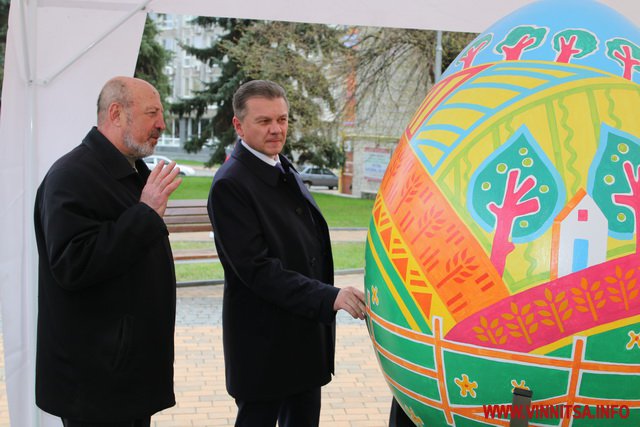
{"points": [[503, 250]]}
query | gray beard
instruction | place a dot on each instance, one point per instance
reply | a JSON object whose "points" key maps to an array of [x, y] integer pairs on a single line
{"points": [[139, 151]]}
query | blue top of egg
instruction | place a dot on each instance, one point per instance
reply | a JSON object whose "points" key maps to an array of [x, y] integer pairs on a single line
{"points": [[543, 21]]}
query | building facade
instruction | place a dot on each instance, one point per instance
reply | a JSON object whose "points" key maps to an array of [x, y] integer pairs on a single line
{"points": [[187, 74]]}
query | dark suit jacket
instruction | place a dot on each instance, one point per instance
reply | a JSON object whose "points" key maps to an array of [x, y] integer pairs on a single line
{"points": [[106, 302], [278, 318]]}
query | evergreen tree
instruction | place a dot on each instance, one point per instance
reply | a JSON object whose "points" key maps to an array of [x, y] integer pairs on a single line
{"points": [[218, 93], [152, 59], [294, 55]]}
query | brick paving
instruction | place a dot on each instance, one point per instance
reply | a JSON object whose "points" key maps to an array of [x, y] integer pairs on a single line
{"points": [[357, 396]]}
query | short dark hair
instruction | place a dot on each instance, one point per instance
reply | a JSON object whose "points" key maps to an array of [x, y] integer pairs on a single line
{"points": [[256, 89]]}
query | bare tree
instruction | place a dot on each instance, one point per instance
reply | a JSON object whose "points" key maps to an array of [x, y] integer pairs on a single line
{"points": [[394, 65]]}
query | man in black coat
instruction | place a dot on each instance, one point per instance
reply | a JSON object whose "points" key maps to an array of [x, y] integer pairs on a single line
{"points": [[279, 301], [107, 295]]}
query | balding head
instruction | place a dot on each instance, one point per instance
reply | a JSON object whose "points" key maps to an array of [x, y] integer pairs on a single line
{"points": [[130, 115], [115, 90]]}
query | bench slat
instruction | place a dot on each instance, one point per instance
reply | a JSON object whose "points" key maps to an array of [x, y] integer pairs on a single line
{"points": [[172, 211], [188, 203], [189, 219], [187, 216], [189, 228]]}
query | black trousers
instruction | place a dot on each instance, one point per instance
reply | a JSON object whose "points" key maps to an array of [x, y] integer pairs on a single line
{"points": [[143, 422], [397, 417], [299, 410]]}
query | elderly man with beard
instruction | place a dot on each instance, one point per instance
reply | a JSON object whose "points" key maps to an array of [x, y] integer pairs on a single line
{"points": [[107, 288]]}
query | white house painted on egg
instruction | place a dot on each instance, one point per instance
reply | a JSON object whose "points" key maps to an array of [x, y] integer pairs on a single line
{"points": [[580, 234]]}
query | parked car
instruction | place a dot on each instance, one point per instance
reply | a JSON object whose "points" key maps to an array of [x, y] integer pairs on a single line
{"points": [[313, 175], [152, 161]]}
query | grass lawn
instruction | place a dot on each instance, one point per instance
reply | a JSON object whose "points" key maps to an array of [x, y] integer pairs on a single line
{"points": [[342, 211], [189, 162], [194, 271], [346, 255], [338, 211], [187, 244], [193, 187]]}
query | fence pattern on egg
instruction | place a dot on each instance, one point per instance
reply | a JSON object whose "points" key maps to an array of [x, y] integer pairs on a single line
{"points": [[575, 367]]}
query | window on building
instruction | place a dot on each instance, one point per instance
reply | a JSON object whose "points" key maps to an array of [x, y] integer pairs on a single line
{"points": [[583, 215]]}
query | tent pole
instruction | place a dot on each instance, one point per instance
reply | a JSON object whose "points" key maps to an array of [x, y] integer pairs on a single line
{"points": [[29, 16], [142, 6], [25, 41]]}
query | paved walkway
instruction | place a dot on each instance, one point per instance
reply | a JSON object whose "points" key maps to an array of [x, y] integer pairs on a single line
{"points": [[357, 396]]}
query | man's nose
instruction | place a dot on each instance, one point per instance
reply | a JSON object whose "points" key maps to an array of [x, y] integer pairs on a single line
{"points": [[275, 128], [160, 124]]}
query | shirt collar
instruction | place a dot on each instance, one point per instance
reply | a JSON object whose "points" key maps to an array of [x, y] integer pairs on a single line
{"points": [[268, 160]]}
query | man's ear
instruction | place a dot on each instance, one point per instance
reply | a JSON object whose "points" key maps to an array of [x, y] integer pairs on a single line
{"points": [[237, 125], [115, 113]]}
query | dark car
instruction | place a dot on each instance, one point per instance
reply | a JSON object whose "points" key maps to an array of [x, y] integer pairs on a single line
{"points": [[313, 175]]}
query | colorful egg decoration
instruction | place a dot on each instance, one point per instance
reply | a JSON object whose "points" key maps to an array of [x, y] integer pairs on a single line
{"points": [[503, 251]]}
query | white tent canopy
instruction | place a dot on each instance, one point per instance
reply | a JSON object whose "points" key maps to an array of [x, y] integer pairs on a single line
{"points": [[59, 54]]}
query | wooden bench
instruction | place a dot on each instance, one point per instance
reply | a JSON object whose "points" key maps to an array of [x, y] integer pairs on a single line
{"points": [[184, 216], [189, 216]]}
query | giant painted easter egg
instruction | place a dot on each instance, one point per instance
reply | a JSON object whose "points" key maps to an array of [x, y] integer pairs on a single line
{"points": [[503, 250]]}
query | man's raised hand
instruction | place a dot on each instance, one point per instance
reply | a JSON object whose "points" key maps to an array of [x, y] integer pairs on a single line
{"points": [[161, 183]]}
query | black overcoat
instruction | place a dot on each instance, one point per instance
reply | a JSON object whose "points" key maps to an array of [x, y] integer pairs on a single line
{"points": [[106, 302], [278, 318]]}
